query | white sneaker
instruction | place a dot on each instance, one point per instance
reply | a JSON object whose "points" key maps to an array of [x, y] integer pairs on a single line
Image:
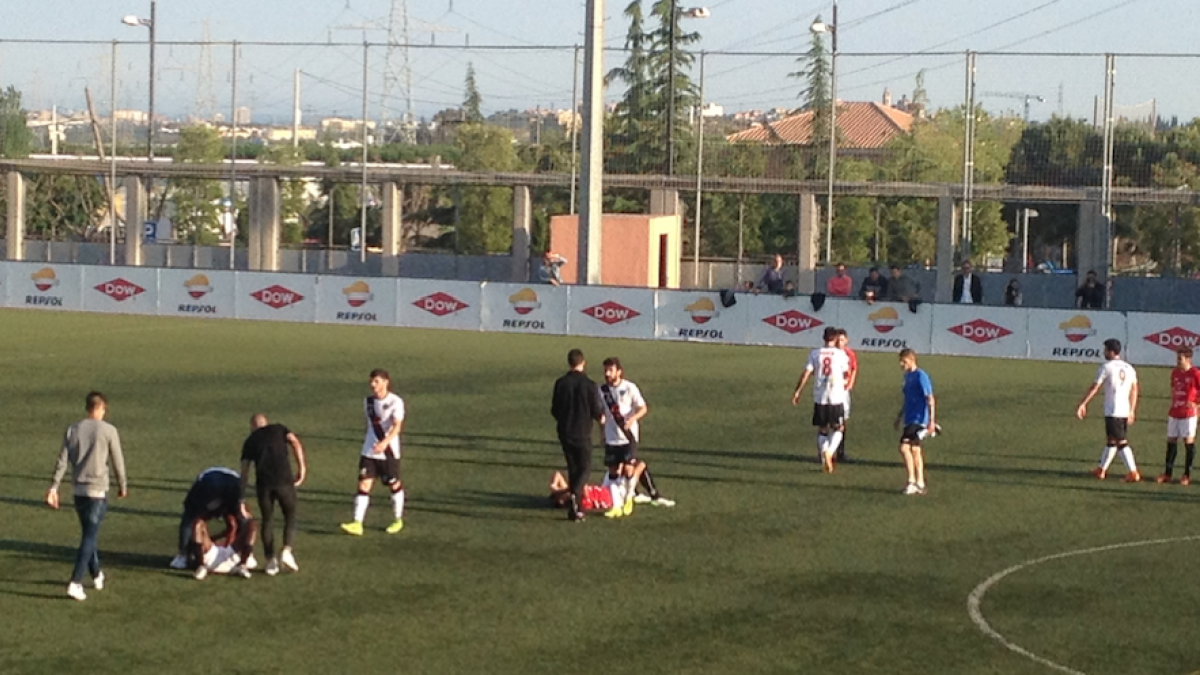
{"points": [[98, 582], [288, 560], [75, 590], [179, 562], [200, 573], [251, 563], [663, 501], [912, 489], [272, 567], [241, 571], [641, 499], [921, 489]]}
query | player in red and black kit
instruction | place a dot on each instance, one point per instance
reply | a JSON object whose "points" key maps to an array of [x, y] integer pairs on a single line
{"points": [[267, 449], [1181, 419], [844, 343]]}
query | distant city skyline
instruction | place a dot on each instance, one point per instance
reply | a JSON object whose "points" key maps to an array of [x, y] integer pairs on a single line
{"points": [[524, 77]]}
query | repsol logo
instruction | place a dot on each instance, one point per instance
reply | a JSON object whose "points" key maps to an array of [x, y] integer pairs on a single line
{"points": [[43, 301], [884, 343], [708, 334], [1076, 352], [197, 309], [357, 316], [519, 323]]}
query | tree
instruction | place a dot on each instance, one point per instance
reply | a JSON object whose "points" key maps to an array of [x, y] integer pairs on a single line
{"points": [[342, 200], [1168, 236], [670, 56], [197, 201], [484, 222], [630, 129], [471, 98], [815, 73], [16, 140]]}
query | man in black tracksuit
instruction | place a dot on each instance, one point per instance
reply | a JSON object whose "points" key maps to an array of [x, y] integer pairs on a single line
{"points": [[267, 449], [576, 406]]}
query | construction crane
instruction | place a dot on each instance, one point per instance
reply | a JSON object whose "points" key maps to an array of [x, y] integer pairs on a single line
{"points": [[1028, 98]]}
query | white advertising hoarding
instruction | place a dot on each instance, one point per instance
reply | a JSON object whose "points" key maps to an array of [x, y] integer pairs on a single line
{"points": [[886, 326], [524, 308], [972, 330], [209, 294], [788, 322], [44, 286], [424, 303], [601, 311], [275, 297], [1072, 334], [120, 290], [1154, 338], [699, 316], [362, 301]]}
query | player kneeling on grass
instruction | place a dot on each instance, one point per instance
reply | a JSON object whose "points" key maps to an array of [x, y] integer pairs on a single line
{"points": [[608, 496], [1181, 419], [918, 415], [215, 494], [1120, 383], [380, 453], [226, 554]]}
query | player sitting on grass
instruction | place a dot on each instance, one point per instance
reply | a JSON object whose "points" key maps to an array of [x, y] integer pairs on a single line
{"points": [[226, 553], [610, 496]]}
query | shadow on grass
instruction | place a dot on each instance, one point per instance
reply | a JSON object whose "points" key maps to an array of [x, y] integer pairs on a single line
{"points": [[44, 551]]}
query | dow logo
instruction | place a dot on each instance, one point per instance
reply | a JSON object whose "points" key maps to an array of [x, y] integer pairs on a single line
{"points": [[793, 321], [611, 312], [980, 331], [1174, 338], [119, 289], [440, 304], [277, 297]]}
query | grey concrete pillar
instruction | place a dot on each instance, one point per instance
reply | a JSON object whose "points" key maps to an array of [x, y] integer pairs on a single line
{"points": [[136, 213], [664, 203], [15, 196], [808, 233], [393, 227], [1091, 240], [264, 224], [947, 239], [522, 229]]}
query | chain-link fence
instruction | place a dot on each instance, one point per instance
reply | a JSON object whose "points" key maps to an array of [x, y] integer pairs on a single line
{"points": [[755, 126]]}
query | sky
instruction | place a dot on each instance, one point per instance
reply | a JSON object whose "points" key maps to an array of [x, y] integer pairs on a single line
{"points": [[750, 47]]}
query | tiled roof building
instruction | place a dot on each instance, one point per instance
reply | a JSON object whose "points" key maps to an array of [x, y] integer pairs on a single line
{"points": [[863, 126]]}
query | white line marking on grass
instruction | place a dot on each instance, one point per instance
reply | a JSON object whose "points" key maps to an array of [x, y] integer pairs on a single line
{"points": [[975, 599]]}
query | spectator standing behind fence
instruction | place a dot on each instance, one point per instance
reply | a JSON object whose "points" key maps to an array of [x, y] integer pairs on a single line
{"points": [[874, 287], [1090, 295], [551, 271], [1012, 294], [840, 285], [900, 288], [771, 280], [968, 289]]}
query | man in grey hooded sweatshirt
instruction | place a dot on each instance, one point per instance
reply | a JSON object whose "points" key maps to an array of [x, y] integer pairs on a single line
{"points": [[89, 447]]}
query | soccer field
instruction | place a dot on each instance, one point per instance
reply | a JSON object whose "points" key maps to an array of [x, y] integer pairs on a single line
{"points": [[765, 566]]}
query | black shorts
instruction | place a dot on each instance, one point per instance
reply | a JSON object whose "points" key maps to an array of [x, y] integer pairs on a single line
{"points": [[828, 415], [1117, 428], [912, 434], [387, 470], [619, 454]]}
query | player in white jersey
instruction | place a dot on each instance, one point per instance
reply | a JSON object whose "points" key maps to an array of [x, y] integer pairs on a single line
{"points": [[622, 431], [832, 368], [380, 453], [1120, 383], [224, 556]]}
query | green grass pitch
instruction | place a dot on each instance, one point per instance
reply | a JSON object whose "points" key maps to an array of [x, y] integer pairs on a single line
{"points": [[765, 566]]}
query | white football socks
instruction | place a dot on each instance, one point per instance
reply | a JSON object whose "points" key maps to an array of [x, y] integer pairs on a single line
{"points": [[361, 502], [1107, 457], [835, 439], [1127, 457], [398, 504]]}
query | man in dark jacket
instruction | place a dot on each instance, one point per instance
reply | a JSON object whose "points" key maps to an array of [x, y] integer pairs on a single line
{"points": [[576, 406], [968, 289], [1090, 295], [874, 287]]}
